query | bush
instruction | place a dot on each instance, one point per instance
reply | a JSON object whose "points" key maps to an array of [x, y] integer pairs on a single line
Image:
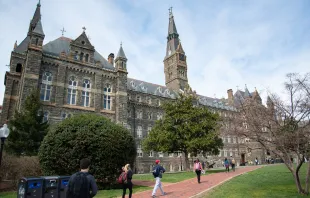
{"points": [[109, 147], [13, 168]]}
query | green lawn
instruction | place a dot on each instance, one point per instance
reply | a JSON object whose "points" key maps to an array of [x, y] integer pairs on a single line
{"points": [[173, 177], [101, 194], [270, 181]]}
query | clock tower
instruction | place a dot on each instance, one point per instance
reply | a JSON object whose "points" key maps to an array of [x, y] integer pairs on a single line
{"points": [[175, 60]]}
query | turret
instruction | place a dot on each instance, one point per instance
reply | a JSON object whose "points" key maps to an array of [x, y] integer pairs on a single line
{"points": [[121, 60]]}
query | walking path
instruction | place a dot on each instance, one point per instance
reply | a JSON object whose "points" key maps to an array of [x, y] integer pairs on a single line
{"points": [[190, 188]]}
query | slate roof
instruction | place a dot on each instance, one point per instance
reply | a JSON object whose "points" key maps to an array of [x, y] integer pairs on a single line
{"points": [[62, 44], [150, 88], [215, 103], [23, 46], [121, 53], [38, 29]]}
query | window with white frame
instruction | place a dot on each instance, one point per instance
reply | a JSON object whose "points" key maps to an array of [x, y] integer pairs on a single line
{"points": [[139, 131], [46, 86], [107, 98], [139, 153], [234, 140], [170, 154], [151, 154], [139, 114], [228, 139], [45, 116], [149, 115], [264, 129], [159, 116], [72, 90], [86, 93], [225, 153], [149, 129], [160, 154]]}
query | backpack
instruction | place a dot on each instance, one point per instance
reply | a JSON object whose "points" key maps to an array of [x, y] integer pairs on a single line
{"points": [[233, 161], [156, 171], [79, 187], [122, 179]]}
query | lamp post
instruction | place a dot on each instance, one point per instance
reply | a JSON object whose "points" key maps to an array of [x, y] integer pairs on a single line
{"points": [[4, 133]]}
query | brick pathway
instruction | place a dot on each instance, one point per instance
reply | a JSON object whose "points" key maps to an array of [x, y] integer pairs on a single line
{"points": [[190, 187]]}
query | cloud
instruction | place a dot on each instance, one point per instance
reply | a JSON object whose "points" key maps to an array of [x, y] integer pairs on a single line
{"points": [[227, 43]]}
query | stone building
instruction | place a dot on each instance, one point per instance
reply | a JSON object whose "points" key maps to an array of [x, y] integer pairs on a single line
{"points": [[74, 78]]}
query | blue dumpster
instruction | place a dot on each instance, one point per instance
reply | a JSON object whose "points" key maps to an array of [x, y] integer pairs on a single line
{"points": [[50, 187], [30, 187], [63, 186]]}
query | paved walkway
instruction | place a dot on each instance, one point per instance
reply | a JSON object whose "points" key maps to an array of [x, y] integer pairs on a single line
{"points": [[190, 188]]}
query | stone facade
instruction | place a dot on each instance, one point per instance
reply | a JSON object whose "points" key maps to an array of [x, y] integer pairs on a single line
{"points": [[74, 78]]}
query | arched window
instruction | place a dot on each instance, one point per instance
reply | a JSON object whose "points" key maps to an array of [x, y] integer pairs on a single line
{"points": [[81, 56], [65, 115], [72, 91], [107, 91], [86, 57], [46, 86], [86, 93], [139, 131], [18, 68]]}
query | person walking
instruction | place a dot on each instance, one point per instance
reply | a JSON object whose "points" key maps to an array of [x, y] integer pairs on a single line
{"points": [[127, 181], [82, 184], [158, 170], [256, 161], [197, 169], [226, 163], [233, 164]]}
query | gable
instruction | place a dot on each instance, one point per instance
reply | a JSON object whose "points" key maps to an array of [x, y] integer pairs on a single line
{"points": [[83, 42]]}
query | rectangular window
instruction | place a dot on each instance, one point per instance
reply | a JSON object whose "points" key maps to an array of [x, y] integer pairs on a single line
{"points": [[85, 98], [139, 114], [228, 140], [220, 154], [151, 154], [234, 140], [45, 92], [107, 102], [160, 154], [148, 130], [139, 131], [170, 154], [225, 153], [139, 153], [230, 153], [71, 96]]}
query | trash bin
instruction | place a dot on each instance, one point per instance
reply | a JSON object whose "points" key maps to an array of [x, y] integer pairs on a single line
{"points": [[30, 187], [63, 184], [50, 187]]}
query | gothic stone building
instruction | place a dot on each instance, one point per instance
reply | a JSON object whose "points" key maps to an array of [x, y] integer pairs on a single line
{"points": [[74, 78]]}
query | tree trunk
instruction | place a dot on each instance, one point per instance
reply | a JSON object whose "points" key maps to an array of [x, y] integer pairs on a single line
{"points": [[297, 182], [307, 179], [186, 161]]}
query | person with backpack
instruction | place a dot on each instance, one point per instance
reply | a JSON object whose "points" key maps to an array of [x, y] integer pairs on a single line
{"points": [[226, 163], [233, 164], [82, 184], [127, 177], [158, 170], [197, 169]]}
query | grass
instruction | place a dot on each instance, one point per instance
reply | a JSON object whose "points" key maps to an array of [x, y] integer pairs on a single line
{"points": [[270, 181], [101, 194], [173, 177]]}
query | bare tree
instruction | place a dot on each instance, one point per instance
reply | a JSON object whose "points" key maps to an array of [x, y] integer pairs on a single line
{"points": [[283, 126]]}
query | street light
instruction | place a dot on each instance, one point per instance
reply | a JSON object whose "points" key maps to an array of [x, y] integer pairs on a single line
{"points": [[4, 133]]}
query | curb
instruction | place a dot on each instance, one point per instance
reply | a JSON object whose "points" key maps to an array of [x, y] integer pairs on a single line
{"points": [[205, 191]]}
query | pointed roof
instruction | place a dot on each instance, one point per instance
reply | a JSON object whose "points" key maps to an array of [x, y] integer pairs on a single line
{"points": [[37, 14], [83, 41], [172, 29], [15, 45], [39, 29], [23, 46], [246, 93], [256, 95], [121, 53]]}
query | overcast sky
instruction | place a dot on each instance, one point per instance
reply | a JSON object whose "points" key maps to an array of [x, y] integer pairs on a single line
{"points": [[228, 43]]}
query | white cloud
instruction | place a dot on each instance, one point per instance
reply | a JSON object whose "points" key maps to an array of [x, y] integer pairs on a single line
{"points": [[227, 44]]}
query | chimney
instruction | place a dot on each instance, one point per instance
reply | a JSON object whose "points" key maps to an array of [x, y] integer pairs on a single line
{"points": [[230, 95], [111, 59]]}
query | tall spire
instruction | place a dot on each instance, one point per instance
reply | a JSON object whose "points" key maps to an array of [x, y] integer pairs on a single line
{"points": [[121, 53], [173, 36], [36, 17], [246, 92]]}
